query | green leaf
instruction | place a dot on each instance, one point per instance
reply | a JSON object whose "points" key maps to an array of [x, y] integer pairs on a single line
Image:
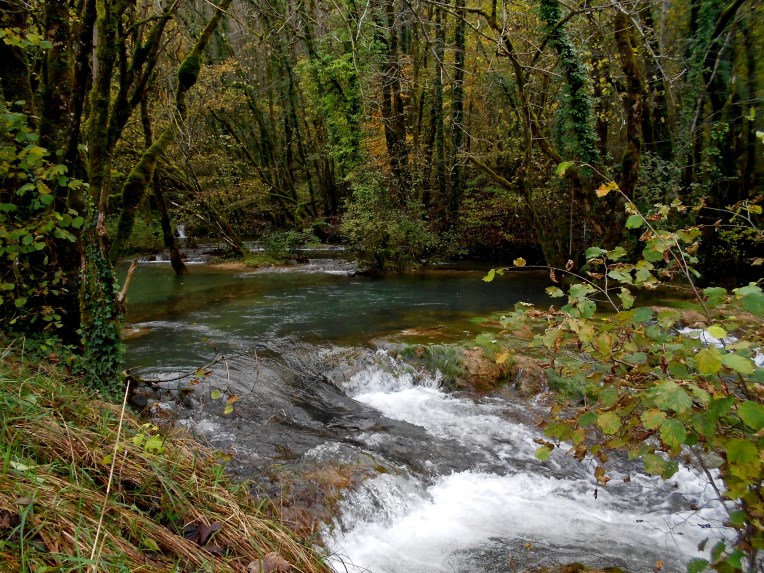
{"points": [[543, 453], [715, 296], [554, 291], [627, 299], [609, 422], [738, 518], [697, 565], [587, 308], [742, 452], [150, 544], [673, 433], [579, 291], [652, 419], [652, 255], [154, 445], [739, 363], [670, 396], [216, 394], [620, 275], [490, 276], [642, 315], [708, 361], [228, 409], [752, 298], [752, 413], [618, 253], [594, 252], [634, 222], [563, 167], [587, 419], [717, 331], [608, 397], [654, 464]]}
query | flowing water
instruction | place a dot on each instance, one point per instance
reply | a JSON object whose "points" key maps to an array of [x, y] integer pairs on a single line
{"points": [[449, 483]]}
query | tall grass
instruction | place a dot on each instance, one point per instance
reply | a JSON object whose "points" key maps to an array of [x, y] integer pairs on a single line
{"points": [[169, 506]]}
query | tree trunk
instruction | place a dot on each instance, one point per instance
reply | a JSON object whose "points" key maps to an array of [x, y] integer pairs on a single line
{"points": [[168, 233], [457, 111], [141, 175]]}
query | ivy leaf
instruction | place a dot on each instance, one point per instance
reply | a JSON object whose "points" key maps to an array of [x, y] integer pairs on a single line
{"points": [[738, 363], [673, 433], [708, 361], [609, 422], [752, 414]]}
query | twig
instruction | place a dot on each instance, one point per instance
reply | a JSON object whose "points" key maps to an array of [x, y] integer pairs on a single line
{"points": [[93, 555], [126, 285]]}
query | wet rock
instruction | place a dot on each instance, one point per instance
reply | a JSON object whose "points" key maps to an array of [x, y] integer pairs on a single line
{"points": [[529, 378], [480, 372]]}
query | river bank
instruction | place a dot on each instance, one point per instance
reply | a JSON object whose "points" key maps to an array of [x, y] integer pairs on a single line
{"points": [[86, 485]]}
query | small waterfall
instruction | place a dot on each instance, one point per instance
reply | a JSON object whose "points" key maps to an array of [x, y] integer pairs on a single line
{"points": [[181, 230], [508, 508]]}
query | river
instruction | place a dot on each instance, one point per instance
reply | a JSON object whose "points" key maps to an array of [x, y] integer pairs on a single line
{"points": [[439, 482]]}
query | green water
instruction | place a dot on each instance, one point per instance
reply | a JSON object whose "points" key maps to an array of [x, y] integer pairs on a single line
{"points": [[183, 321]]}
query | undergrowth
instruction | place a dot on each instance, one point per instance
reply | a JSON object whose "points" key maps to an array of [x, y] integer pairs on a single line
{"points": [[86, 486]]}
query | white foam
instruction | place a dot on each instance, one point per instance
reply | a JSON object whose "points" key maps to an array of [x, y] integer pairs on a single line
{"points": [[427, 530]]}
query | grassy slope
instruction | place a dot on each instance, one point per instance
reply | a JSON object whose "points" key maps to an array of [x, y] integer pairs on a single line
{"points": [[57, 444]]}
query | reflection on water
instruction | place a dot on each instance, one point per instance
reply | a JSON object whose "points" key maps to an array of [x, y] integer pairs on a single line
{"points": [[186, 316]]}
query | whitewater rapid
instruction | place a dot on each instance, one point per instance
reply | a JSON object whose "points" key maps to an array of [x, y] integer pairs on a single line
{"points": [[509, 510]]}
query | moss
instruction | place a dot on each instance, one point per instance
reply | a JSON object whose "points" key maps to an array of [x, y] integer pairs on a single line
{"points": [[189, 70], [443, 358]]}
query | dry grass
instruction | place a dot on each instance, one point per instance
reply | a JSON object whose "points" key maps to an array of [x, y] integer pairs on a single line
{"points": [[56, 446]]}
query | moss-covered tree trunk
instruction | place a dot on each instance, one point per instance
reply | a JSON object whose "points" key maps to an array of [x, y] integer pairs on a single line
{"points": [[140, 176], [634, 111], [168, 234]]}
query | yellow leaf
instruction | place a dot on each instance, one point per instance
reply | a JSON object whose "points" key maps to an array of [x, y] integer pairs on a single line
{"points": [[606, 188], [501, 358], [519, 262]]}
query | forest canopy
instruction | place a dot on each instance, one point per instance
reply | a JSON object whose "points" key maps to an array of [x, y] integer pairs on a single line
{"points": [[408, 129]]}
